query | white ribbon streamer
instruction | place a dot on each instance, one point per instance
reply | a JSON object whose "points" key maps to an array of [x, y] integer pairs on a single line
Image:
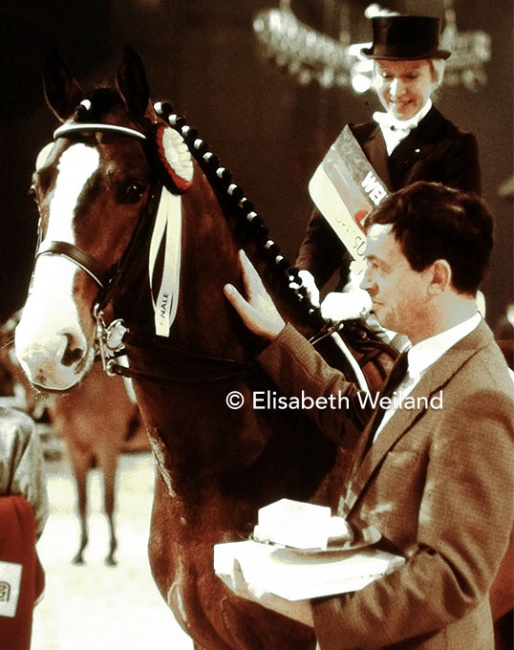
{"points": [[167, 228]]}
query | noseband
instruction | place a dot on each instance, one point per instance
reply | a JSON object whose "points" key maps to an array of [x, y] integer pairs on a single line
{"points": [[83, 260]]}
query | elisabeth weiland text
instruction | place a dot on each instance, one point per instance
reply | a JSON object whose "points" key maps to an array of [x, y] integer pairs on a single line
{"points": [[272, 400]]}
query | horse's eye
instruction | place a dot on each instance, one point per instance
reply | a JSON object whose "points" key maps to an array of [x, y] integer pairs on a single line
{"points": [[134, 193], [34, 194]]}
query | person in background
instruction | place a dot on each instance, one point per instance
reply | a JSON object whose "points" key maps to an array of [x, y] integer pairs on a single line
{"points": [[23, 514], [435, 480], [410, 141]]}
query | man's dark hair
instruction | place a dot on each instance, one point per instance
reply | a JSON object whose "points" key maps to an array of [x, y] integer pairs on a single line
{"points": [[431, 222]]}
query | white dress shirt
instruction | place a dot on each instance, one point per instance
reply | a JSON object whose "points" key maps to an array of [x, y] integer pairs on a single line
{"points": [[421, 356]]}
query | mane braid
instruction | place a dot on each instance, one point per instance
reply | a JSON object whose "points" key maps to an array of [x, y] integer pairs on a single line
{"points": [[222, 182], [358, 334]]}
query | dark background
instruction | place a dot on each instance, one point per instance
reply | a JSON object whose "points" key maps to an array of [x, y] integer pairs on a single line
{"points": [[203, 56]]}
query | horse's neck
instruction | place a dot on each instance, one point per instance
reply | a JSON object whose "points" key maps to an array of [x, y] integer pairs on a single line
{"points": [[205, 323]]}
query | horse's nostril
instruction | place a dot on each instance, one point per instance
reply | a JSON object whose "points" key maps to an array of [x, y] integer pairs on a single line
{"points": [[73, 354]]}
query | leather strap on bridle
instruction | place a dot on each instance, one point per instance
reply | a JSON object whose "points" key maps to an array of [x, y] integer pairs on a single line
{"points": [[79, 257], [68, 129]]}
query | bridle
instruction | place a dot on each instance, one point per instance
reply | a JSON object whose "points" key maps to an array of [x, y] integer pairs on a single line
{"points": [[108, 337]]}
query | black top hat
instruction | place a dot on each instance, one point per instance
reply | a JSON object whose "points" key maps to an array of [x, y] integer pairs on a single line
{"points": [[405, 37]]}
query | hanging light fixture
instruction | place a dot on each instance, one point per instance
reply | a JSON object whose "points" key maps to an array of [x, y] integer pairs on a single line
{"points": [[311, 56]]}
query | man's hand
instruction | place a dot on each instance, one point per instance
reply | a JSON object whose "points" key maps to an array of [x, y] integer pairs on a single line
{"points": [[258, 312], [298, 610]]}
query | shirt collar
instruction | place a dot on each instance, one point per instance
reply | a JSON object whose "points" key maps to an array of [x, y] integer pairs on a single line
{"points": [[388, 120], [425, 353]]}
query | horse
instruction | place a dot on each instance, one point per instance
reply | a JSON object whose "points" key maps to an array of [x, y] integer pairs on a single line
{"points": [[140, 227], [136, 233], [97, 421]]}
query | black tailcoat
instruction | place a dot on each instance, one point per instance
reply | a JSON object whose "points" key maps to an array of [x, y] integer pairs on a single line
{"points": [[436, 150]]}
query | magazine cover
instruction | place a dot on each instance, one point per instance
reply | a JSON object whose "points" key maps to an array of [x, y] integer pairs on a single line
{"points": [[345, 188]]}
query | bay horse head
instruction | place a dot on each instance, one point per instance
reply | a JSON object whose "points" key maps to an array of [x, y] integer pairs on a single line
{"points": [[92, 185], [77, 178]]}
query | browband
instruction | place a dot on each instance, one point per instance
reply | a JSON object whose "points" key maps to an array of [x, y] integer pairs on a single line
{"points": [[66, 129]]}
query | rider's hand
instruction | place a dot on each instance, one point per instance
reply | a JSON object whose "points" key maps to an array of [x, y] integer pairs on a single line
{"points": [[339, 306], [258, 311], [310, 286]]}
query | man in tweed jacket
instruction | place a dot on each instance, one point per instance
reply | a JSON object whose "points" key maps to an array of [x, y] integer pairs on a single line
{"points": [[436, 480]]}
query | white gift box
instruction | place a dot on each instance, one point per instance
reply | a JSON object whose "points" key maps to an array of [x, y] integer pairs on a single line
{"points": [[298, 524]]}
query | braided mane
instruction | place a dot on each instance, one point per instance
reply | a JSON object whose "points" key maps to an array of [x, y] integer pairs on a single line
{"points": [[233, 200]]}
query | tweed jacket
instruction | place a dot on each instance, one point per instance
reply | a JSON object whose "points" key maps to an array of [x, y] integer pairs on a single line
{"points": [[438, 485], [434, 151]]}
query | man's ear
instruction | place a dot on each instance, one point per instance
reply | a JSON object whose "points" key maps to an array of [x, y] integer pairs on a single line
{"points": [[441, 277]]}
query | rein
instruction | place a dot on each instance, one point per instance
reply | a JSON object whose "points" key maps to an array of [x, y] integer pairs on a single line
{"points": [[233, 370], [110, 339]]}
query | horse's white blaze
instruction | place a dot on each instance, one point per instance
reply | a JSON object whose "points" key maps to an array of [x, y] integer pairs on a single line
{"points": [[50, 320], [76, 166]]}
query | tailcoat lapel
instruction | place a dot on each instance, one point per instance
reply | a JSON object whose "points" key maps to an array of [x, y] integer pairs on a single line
{"points": [[435, 379], [375, 149], [416, 147]]}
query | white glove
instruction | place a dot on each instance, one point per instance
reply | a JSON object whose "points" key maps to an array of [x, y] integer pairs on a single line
{"points": [[348, 305], [310, 285]]}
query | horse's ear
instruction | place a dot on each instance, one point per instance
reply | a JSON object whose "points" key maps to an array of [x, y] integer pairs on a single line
{"points": [[63, 94], [133, 84]]}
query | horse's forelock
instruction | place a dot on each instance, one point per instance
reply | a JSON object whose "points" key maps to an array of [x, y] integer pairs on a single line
{"points": [[98, 103]]}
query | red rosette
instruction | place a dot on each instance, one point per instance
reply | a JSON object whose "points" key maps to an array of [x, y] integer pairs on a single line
{"points": [[174, 154]]}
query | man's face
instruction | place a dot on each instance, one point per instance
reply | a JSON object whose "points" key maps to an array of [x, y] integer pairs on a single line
{"points": [[404, 87], [399, 294]]}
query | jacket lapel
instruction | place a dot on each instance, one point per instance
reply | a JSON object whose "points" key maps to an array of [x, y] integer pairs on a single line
{"points": [[375, 149], [420, 142], [434, 380]]}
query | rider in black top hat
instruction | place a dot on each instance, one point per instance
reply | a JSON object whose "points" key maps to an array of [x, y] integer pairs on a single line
{"points": [[411, 141]]}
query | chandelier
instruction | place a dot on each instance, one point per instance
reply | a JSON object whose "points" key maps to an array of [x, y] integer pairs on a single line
{"points": [[311, 56]]}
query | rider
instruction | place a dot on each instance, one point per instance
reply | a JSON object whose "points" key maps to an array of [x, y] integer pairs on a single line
{"points": [[411, 141]]}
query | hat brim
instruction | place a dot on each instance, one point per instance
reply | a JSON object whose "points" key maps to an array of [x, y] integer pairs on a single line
{"points": [[439, 54]]}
